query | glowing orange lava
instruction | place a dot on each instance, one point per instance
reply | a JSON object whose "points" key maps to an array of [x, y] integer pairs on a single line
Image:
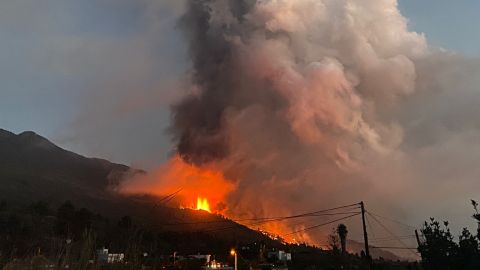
{"points": [[187, 182], [202, 204]]}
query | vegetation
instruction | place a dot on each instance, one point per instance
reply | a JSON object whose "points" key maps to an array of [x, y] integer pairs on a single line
{"points": [[342, 234], [70, 236], [440, 251], [36, 236]]}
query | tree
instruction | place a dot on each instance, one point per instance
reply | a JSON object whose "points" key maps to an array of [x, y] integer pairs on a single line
{"points": [[468, 251], [3, 205], [82, 220], [342, 234], [439, 251], [65, 215], [40, 208], [66, 211], [125, 222], [333, 241]]}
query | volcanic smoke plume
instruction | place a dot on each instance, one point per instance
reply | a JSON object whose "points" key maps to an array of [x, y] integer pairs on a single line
{"points": [[293, 102]]}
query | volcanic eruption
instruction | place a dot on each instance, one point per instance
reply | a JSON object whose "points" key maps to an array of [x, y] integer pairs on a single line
{"points": [[289, 106]]}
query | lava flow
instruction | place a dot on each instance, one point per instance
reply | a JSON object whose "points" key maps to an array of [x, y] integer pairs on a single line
{"points": [[202, 204]]}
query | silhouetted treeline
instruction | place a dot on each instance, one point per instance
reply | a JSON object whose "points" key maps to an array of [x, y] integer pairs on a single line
{"points": [[440, 251], [38, 230], [39, 234]]}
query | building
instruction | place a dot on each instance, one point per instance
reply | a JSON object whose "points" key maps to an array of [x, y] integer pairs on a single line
{"points": [[206, 258], [279, 256], [213, 265], [103, 256]]}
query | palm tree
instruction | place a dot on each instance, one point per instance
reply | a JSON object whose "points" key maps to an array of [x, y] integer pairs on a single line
{"points": [[342, 233]]}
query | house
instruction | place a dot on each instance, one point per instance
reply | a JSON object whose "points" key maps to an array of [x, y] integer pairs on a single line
{"points": [[279, 256], [104, 256], [202, 257], [214, 265]]}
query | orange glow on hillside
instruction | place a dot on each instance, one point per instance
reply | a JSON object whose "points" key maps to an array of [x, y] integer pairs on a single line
{"points": [[206, 188], [202, 204], [189, 183]]}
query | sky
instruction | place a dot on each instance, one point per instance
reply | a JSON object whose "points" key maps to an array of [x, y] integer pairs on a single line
{"points": [[446, 24], [68, 66]]}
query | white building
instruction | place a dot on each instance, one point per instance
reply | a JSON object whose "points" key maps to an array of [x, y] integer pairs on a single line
{"points": [[280, 255], [214, 265], [205, 257], [104, 257]]}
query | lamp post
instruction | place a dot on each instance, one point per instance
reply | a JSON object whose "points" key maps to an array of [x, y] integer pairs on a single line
{"points": [[233, 252]]}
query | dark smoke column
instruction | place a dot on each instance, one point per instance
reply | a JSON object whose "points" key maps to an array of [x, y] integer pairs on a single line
{"points": [[198, 119]]}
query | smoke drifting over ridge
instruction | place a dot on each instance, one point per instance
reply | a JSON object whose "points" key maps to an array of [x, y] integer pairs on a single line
{"points": [[304, 104]]}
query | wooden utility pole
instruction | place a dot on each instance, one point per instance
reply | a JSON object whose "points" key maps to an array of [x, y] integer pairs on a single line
{"points": [[365, 236], [418, 238]]}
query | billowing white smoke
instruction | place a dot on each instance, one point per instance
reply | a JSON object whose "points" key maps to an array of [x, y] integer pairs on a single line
{"points": [[290, 94]]}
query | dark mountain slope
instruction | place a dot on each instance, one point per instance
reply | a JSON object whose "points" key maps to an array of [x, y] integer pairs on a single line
{"points": [[32, 168]]}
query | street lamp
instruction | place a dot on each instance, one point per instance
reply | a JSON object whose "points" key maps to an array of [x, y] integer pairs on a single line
{"points": [[233, 252]]}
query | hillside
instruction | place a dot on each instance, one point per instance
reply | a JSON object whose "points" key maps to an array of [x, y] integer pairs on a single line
{"points": [[34, 169]]}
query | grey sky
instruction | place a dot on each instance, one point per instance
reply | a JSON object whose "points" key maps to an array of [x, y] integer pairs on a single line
{"points": [[67, 67]]}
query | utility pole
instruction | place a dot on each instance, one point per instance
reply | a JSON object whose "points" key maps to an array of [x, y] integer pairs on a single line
{"points": [[365, 236], [418, 238]]}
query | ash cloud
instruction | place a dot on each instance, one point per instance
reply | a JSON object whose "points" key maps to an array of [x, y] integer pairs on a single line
{"points": [[290, 95]]}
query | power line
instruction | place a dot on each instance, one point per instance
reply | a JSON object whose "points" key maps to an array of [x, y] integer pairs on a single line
{"points": [[393, 220], [166, 200], [255, 219], [263, 222], [318, 213], [272, 219], [237, 225], [323, 224], [314, 219], [388, 239], [388, 231], [370, 226], [321, 211], [407, 248]]}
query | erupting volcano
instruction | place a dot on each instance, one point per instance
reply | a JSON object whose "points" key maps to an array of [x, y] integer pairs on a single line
{"points": [[288, 106], [212, 124]]}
